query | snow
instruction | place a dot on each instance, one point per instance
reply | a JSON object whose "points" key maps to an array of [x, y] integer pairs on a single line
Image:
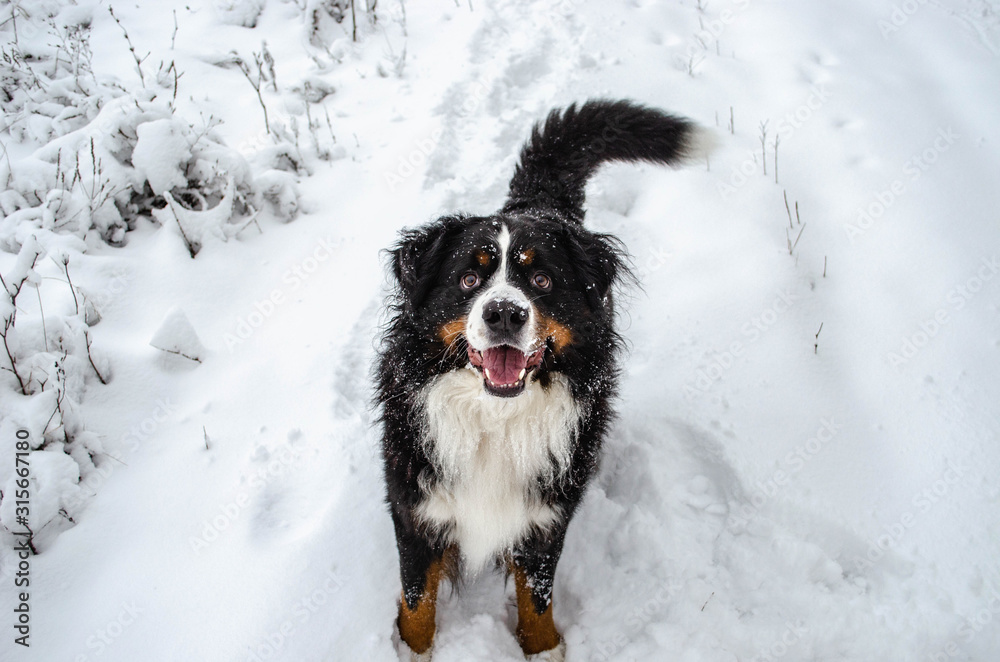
{"points": [[773, 489], [176, 335], [159, 154]]}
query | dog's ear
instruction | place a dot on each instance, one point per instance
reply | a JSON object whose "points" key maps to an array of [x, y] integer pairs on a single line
{"points": [[417, 260], [601, 262]]}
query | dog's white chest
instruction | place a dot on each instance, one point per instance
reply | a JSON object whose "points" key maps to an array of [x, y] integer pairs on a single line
{"points": [[490, 454]]}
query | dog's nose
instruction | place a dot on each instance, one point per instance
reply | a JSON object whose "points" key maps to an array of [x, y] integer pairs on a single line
{"points": [[504, 316]]}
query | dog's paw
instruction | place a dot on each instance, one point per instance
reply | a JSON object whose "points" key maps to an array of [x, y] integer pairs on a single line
{"points": [[407, 655], [557, 654]]}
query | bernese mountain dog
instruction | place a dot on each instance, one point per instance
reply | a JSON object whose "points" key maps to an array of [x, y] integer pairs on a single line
{"points": [[498, 369]]}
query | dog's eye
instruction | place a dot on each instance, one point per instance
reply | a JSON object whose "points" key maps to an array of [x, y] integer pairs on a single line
{"points": [[469, 281], [542, 281]]}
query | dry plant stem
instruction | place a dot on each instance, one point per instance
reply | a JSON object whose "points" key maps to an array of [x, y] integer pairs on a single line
{"points": [[8, 324], [256, 86], [135, 55], [41, 312], [791, 249], [329, 125], [190, 358], [76, 302], [90, 357], [763, 144], [354, 20], [777, 141]]}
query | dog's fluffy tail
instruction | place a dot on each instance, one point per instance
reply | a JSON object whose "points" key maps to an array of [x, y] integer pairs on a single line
{"points": [[563, 154]]}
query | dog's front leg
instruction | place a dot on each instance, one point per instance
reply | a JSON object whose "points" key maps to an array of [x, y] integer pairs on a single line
{"points": [[534, 567], [420, 569]]}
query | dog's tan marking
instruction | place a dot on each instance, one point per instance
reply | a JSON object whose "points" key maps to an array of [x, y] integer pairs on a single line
{"points": [[416, 626], [483, 258], [450, 331], [535, 632], [526, 257], [560, 333]]}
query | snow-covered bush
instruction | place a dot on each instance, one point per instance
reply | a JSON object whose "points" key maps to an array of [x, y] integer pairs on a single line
{"points": [[239, 12], [108, 156], [49, 360], [94, 157]]}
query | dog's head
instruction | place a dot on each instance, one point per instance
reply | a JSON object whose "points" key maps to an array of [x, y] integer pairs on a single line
{"points": [[513, 295]]}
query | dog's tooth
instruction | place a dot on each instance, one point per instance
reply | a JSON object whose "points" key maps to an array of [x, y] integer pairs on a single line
{"points": [[523, 373], [487, 371]]}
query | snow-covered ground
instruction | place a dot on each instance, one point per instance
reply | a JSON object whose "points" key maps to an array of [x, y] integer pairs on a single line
{"points": [[806, 465]]}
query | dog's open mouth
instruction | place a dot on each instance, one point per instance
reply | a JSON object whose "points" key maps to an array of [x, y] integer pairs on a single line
{"points": [[505, 369]]}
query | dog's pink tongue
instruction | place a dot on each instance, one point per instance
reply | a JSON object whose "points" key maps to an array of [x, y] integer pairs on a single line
{"points": [[504, 363]]}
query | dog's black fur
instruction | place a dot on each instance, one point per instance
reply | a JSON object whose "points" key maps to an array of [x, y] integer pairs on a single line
{"points": [[544, 212]]}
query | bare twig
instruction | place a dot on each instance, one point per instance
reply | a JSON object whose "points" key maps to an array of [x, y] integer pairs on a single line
{"points": [[86, 337], [329, 125], [777, 141], [135, 55], [245, 68], [76, 302], [268, 59], [693, 64], [788, 209], [174, 351], [354, 20], [41, 313], [707, 601], [8, 324], [816, 344], [763, 144], [792, 245], [192, 248], [10, 168]]}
